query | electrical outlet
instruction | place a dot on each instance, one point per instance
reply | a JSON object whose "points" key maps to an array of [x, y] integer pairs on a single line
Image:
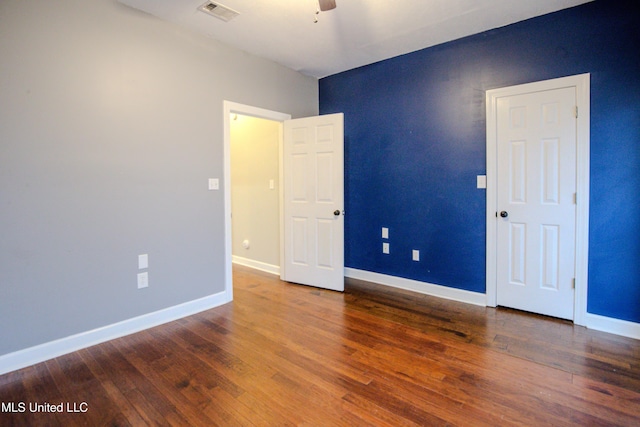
{"points": [[415, 255], [385, 248], [143, 280], [385, 233], [214, 184]]}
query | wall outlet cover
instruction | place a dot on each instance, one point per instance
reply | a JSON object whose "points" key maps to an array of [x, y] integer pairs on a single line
{"points": [[385, 233], [143, 280]]}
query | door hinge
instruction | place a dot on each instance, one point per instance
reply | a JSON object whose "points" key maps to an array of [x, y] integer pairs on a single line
{"points": [[575, 111], [573, 283], [575, 198]]}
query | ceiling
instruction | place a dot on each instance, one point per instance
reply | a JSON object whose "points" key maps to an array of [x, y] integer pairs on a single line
{"points": [[356, 33]]}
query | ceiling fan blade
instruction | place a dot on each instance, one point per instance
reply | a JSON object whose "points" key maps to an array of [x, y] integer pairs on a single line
{"points": [[327, 4]]}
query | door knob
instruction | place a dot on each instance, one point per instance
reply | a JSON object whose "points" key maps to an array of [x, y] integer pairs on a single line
{"points": [[504, 214], [336, 212]]}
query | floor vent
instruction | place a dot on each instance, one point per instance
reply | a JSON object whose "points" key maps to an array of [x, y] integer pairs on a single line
{"points": [[219, 11]]}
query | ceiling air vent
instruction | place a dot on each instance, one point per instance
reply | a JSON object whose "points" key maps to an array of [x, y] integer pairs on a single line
{"points": [[219, 11]]}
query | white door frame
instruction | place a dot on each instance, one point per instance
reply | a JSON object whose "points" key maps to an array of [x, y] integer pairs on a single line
{"points": [[246, 110], [582, 84]]}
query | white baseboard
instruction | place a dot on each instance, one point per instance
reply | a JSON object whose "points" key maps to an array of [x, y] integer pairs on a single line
{"points": [[439, 291], [258, 265], [594, 321], [30, 356], [613, 326]]}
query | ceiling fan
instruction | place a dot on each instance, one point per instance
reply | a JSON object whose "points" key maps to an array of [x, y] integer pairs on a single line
{"points": [[327, 5]]}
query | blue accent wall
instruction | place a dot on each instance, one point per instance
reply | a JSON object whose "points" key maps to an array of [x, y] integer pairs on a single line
{"points": [[415, 139]]}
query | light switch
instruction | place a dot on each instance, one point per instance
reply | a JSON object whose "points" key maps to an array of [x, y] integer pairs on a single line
{"points": [[385, 248], [272, 184], [214, 184], [482, 181], [143, 261], [415, 255]]}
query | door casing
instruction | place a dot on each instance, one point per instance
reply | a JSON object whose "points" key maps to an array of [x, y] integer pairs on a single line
{"points": [[582, 84]]}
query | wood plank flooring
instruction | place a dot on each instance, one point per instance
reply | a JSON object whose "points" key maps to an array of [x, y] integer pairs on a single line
{"points": [[289, 355]]}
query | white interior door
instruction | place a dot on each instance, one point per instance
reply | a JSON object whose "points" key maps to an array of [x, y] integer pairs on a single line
{"points": [[536, 206], [313, 169]]}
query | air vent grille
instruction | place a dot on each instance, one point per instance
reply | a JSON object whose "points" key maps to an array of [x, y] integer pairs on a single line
{"points": [[219, 11]]}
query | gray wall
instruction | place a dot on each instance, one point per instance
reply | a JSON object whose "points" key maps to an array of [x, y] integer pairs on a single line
{"points": [[110, 125]]}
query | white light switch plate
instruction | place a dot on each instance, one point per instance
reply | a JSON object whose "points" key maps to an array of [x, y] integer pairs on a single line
{"points": [[415, 255], [482, 181], [143, 261], [385, 248]]}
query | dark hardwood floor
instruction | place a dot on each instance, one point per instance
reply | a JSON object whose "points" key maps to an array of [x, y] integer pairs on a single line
{"points": [[284, 354]]}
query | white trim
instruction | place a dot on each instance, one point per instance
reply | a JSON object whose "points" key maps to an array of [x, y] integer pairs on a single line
{"points": [[247, 110], [583, 97], [40, 353], [257, 265], [592, 321], [439, 291], [582, 84], [613, 326], [281, 198]]}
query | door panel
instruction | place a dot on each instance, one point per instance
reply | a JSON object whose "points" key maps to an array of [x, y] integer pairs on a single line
{"points": [[324, 248], [518, 243], [313, 190], [536, 183], [298, 172], [299, 248], [550, 171], [518, 172], [550, 256], [324, 177]]}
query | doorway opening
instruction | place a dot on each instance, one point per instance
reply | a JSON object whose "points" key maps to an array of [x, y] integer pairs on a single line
{"points": [[255, 201], [231, 110]]}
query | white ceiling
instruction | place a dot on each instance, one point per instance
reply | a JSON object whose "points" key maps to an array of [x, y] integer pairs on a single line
{"points": [[356, 33]]}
